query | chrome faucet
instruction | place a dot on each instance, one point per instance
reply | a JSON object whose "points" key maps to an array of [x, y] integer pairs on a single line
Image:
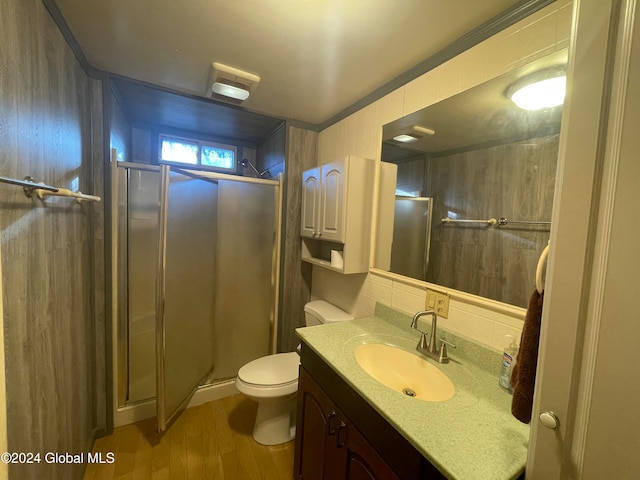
{"points": [[429, 349]]}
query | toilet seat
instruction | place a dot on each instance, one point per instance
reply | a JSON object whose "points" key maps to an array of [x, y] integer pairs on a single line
{"points": [[270, 376]]}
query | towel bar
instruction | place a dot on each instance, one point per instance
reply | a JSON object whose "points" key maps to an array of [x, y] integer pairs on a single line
{"points": [[541, 261]]}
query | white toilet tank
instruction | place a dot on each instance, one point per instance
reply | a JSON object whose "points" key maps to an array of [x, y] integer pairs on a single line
{"points": [[319, 311]]}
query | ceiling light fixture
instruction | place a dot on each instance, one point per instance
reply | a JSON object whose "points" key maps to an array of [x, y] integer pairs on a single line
{"points": [[544, 89], [230, 91], [230, 84], [412, 134]]}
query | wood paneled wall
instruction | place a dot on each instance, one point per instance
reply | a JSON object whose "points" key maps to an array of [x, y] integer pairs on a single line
{"points": [[515, 181], [271, 154], [48, 105], [295, 275], [119, 128]]}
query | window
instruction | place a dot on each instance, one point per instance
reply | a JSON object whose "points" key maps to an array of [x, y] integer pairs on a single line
{"points": [[204, 155]]}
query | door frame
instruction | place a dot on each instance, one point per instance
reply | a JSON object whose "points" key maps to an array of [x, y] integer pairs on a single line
{"points": [[592, 122]]}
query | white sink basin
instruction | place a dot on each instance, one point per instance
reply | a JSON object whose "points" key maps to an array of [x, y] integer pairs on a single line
{"points": [[404, 372]]}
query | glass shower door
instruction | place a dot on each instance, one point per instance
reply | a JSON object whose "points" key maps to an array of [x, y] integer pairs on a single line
{"points": [[185, 297], [411, 236], [246, 269], [197, 274]]}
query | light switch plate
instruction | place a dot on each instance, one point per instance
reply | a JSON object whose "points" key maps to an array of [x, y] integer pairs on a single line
{"points": [[431, 300], [439, 302]]}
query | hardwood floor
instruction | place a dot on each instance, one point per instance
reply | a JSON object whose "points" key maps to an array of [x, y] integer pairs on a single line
{"points": [[210, 441]]}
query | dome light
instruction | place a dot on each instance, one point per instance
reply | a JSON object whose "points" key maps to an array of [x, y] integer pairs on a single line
{"points": [[541, 90]]}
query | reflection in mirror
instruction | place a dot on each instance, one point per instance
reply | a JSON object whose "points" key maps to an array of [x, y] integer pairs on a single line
{"points": [[474, 156], [411, 236]]}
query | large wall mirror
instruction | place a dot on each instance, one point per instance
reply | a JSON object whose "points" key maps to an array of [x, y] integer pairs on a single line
{"points": [[466, 202]]}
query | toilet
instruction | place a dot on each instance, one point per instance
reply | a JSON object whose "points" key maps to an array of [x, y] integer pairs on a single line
{"points": [[272, 381]]}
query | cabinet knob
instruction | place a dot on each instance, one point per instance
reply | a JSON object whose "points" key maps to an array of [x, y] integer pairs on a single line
{"points": [[549, 420], [320, 234], [314, 234]]}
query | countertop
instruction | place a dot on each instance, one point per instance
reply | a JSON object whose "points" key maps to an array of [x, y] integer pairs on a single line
{"points": [[471, 436]]}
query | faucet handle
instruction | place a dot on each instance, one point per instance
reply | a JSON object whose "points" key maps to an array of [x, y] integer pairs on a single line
{"points": [[423, 346], [448, 343], [442, 355]]}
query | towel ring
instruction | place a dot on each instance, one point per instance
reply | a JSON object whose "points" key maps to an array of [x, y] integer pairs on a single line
{"points": [[541, 261]]}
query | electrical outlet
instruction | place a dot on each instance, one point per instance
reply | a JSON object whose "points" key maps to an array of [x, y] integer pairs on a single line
{"points": [[438, 302]]}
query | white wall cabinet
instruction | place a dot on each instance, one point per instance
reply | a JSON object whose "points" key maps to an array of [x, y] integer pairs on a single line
{"points": [[337, 203], [323, 202], [310, 203]]}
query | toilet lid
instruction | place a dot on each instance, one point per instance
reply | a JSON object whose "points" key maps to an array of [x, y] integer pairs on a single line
{"points": [[278, 369]]}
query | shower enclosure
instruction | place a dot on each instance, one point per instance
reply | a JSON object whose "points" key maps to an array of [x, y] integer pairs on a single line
{"points": [[411, 236], [197, 279]]}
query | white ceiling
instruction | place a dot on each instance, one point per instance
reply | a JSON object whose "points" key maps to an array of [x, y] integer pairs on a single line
{"points": [[315, 58]]}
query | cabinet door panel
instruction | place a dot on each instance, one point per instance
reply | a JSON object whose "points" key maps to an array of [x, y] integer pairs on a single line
{"points": [[310, 203], [333, 199], [313, 443], [316, 418], [363, 462], [335, 453]]}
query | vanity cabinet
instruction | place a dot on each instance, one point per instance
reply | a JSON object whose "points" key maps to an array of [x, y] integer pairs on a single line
{"points": [[337, 203], [340, 436], [328, 445]]}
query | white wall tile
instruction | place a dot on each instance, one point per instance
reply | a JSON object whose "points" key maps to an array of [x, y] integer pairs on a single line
{"points": [[498, 341], [365, 306], [471, 309], [538, 38], [407, 302], [421, 92], [475, 327], [509, 320], [382, 292], [449, 78], [565, 14], [377, 278], [390, 107], [505, 55], [474, 66], [421, 292]]}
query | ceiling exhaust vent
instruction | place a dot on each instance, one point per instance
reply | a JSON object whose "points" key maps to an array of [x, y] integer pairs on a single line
{"points": [[229, 84]]}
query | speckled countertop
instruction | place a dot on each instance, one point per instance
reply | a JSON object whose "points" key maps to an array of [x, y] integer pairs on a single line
{"points": [[471, 436]]}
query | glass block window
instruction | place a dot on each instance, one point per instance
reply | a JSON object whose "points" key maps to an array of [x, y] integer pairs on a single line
{"points": [[202, 155]]}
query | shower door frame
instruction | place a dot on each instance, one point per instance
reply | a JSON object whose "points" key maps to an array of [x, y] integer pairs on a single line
{"points": [[427, 231], [120, 290], [120, 317]]}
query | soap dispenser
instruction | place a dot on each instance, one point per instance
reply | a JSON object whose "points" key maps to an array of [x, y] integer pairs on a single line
{"points": [[508, 361]]}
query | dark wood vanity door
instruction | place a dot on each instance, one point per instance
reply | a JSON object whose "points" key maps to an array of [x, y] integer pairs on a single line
{"points": [[328, 446], [312, 422], [321, 430], [363, 462]]}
